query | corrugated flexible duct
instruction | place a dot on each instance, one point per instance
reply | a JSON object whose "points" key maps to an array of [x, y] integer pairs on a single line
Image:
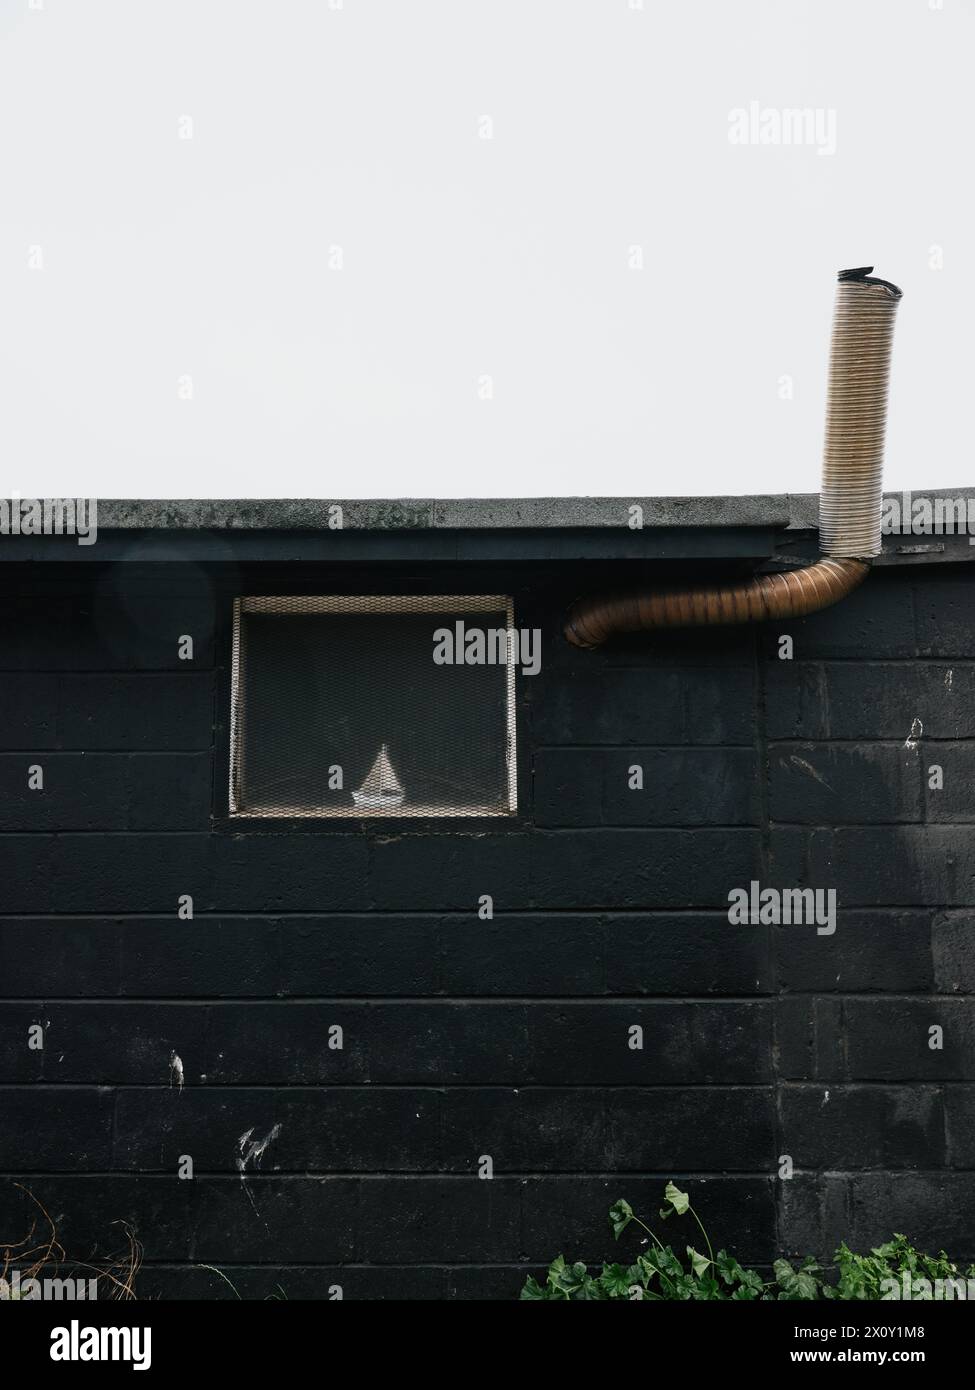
{"points": [[850, 502]]}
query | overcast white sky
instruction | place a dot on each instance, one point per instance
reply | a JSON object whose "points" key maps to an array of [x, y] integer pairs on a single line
{"points": [[365, 297]]}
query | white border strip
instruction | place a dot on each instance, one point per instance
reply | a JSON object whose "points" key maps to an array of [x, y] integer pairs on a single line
{"points": [[234, 697], [380, 603]]}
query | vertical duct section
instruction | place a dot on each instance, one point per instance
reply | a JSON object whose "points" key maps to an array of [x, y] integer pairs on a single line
{"points": [[851, 496]]}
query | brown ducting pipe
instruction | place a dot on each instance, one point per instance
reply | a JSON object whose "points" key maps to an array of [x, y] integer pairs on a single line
{"points": [[850, 503], [592, 621]]}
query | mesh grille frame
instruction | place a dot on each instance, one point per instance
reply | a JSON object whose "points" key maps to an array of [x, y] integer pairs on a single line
{"points": [[450, 605]]}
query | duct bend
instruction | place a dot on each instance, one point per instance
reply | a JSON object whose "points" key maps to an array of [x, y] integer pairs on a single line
{"points": [[850, 502]]}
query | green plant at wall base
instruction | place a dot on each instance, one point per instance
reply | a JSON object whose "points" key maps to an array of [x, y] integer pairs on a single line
{"points": [[660, 1274], [863, 1276]]}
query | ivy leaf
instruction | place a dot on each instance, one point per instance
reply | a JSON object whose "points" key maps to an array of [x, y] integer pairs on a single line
{"points": [[733, 1273], [620, 1216], [532, 1289], [795, 1285], [618, 1279], [683, 1288], [675, 1201], [572, 1281], [588, 1291], [663, 1261], [699, 1263], [728, 1267], [557, 1271], [706, 1290]]}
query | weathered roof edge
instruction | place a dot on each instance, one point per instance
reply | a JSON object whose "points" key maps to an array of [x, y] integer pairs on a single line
{"points": [[793, 511]]}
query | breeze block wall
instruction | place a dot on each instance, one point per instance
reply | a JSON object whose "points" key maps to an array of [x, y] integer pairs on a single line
{"points": [[316, 1168]]}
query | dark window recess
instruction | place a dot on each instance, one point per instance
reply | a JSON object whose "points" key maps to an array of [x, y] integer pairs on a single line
{"points": [[339, 709]]}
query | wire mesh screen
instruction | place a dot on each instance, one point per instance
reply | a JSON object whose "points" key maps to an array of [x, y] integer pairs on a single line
{"points": [[339, 707]]}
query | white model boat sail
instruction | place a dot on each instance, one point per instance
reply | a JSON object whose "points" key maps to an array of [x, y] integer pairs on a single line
{"points": [[381, 786]]}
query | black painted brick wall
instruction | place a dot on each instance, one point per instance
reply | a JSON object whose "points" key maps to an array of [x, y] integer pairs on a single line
{"points": [[506, 1038]]}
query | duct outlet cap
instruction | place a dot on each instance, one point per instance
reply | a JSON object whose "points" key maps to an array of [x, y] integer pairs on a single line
{"points": [[861, 275]]}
